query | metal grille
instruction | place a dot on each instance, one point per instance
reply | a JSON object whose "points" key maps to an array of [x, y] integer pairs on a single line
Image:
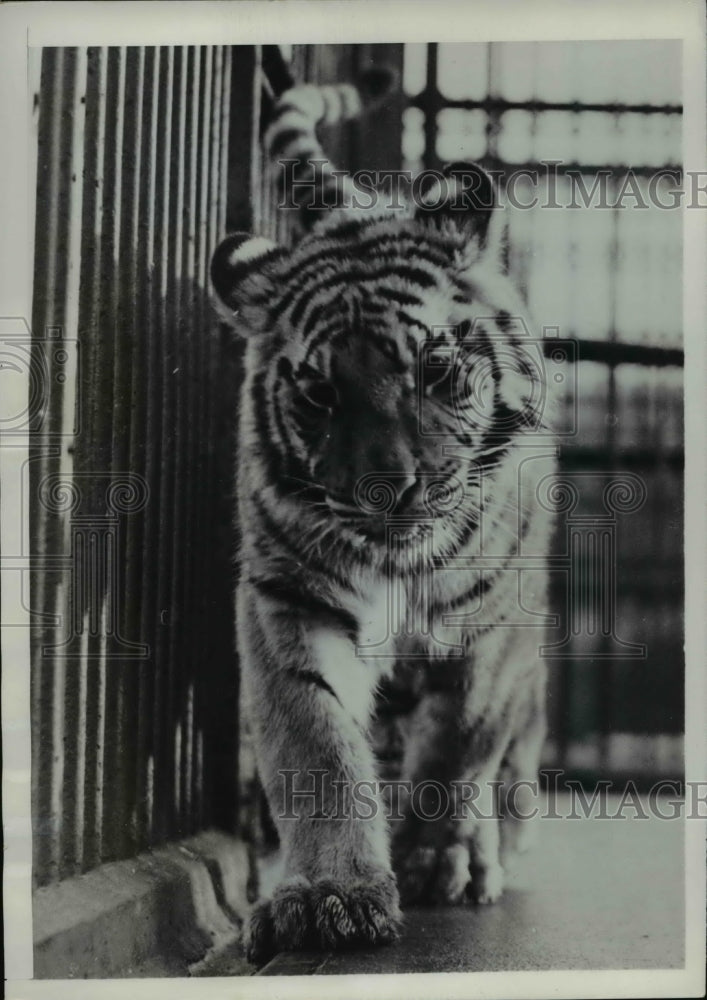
{"points": [[134, 678], [609, 278]]}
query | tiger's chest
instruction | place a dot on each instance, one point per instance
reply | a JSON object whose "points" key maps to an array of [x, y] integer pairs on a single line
{"points": [[409, 616]]}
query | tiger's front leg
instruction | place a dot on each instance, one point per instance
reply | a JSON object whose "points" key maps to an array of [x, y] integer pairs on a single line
{"points": [[308, 697]]}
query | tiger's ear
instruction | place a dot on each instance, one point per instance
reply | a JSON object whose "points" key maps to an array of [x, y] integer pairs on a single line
{"points": [[462, 195], [239, 270]]}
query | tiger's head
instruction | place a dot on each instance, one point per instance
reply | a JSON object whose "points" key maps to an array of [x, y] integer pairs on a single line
{"points": [[383, 368]]}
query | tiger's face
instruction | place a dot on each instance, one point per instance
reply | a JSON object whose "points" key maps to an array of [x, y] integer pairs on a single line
{"points": [[374, 364], [371, 406]]}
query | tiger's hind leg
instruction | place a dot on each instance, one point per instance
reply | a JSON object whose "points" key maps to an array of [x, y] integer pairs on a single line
{"points": [[461, 749], [519, 797], [445, 849]]}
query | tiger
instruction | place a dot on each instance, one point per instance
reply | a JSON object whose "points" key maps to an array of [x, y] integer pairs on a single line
{"points": [[384, 418]]}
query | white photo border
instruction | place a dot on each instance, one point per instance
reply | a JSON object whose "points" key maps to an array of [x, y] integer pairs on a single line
{"points": [[27, 26]]}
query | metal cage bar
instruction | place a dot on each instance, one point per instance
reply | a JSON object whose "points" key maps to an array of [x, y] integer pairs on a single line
{"points": [[134, 671]]}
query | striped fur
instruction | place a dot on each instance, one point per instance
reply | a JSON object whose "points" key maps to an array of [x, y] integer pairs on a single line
{"points": [[386, 346], [291, 136]]}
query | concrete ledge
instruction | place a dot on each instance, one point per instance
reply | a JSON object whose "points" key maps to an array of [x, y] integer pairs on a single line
{"points": [[166, 912]]}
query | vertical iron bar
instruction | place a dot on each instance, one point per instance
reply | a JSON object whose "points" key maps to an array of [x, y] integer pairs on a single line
{"points": [[202, 561], [164, 314], [430, 97], [179, 374], [93, 388], [132, 455], [194, 389], [147, 390], [53, 166], [73, 667], [605, 666], [115, 833]]}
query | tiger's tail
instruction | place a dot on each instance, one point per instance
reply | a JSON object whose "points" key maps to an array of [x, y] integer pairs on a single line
{"points": [[306, 179]]}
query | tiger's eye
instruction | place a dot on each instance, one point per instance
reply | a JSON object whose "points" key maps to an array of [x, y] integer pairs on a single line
{"points": [[438, 369], [320, 395]]}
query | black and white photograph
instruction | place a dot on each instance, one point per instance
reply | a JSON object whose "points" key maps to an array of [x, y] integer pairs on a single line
{"points": [[352, 439]]}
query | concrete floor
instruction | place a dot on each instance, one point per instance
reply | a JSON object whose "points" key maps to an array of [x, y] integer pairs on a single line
{"points": [[593, 894]]}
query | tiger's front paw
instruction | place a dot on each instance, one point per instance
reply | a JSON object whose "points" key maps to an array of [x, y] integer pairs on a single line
{"points": [[487, 884], [303, 915], [446, 875], [430, 874]]}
